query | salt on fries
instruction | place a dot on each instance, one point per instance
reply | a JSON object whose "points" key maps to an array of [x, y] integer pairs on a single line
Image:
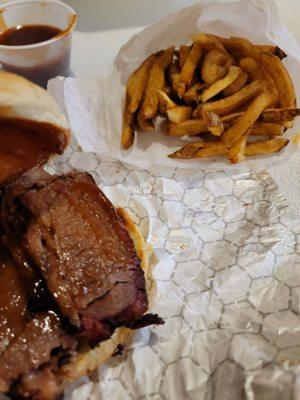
{"points": [[237, 98]]}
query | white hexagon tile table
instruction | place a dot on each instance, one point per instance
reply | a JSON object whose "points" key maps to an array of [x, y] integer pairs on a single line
{"points": [[226, 270]]}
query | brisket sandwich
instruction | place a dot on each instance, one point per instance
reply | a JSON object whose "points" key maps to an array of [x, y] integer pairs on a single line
{"points": [[73, 268]]}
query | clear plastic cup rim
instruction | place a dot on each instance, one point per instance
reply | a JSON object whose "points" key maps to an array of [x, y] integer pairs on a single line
{"points": [[64, 33]]}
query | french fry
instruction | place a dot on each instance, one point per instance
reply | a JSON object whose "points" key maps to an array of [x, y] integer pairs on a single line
{"points": [[265, 48], [214, 123], [237, 85], [200, 150], [280, 115], [179, 114], [247, 119], [145, 125], [220, 85], [183, 55], [236, 153], [276, 115], [165, 103], [252, 67], [231, 103], [156, 82], [190, 65], [137, 84], [215, 66], [282, 79], [270, 129], [191, 95], [266, 146], [240, 46], [188, 127], [209, 42], [127, 137]]}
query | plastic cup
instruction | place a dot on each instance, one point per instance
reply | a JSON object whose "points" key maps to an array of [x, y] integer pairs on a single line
{"points": [[45, 60]]}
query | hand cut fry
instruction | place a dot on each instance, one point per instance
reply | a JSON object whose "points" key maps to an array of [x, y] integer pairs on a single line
{"points": [[187, 72], [282, 79], [265, 48], [191, 95], [165, 103], [137, 84], [189, 127], [209, 42], [280, 115], [214, 123], [220, 85], [179, 114], [277, 115], [156, 82], [270, 129], [127, 138], [215, 66], [237, 85], [236, 153], [231, 103], [145, 125], [183, 55], [240, 46], [200, 150], [247, 119], [252, 67], [265, 146]]}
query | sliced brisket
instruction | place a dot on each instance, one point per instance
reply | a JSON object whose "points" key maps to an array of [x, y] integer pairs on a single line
{"points": [[75, 238]]}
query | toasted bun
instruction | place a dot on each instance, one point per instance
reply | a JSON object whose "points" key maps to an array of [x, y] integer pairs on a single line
{"points": [[23, 100], [30, 111]]}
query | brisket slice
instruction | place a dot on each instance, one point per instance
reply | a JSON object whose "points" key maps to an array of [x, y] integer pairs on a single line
{"points": [[75, 238]]}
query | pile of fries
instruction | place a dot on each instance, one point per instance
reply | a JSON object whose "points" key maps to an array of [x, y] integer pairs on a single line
{"points": [[235, 97]]}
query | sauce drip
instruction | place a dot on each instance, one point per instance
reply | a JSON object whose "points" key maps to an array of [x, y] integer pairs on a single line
{"points": [[23, 35]]}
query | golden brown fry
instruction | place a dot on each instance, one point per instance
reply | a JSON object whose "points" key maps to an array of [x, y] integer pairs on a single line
{"points": [[187, 72], [188, 127], [127, 137], [173, 74], [149, 108], [215, 66], [252, 67], [145, 125], [214, 123], [183, 55], [282, 79], [137, 84], [209, 42], [265, 48], [247, 119], [165, 103], [277, 115], [265, 146], [237, 85], [191, 95], [231, 103], [236, 153], [179, 114], [220, 85], [241, 46], [267, 129], [200, 150], [280, 115]]}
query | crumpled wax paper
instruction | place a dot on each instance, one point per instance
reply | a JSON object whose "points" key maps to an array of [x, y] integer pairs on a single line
{"points": [[227, 256], [94, 106]]}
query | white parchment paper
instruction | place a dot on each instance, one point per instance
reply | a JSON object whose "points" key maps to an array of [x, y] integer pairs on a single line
{"points": [[94, 106], [227, 245]]}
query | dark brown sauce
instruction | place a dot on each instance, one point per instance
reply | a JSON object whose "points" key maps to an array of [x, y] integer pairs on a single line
{"points": [[23, 35]]}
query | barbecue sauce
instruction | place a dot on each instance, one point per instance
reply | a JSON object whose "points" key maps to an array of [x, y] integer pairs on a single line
{"points": [[23, 35]]}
